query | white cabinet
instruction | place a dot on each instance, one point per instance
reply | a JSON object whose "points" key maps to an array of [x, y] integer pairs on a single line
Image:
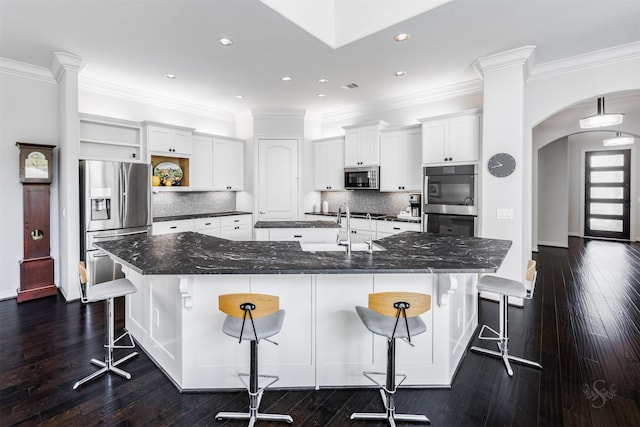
{"points": [[209, 226], [328, 164], [168, 140], [297, 234], [362, 143], [105, 138], [217, 163], [389, 228], [454, 138], [401, 159], [236, 227], [167, 227], [228, 164]]}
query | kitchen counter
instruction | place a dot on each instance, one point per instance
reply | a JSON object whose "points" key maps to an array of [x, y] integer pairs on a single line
{"points": [[407, 252], [296, 224], [194, 216], [174, 316]]}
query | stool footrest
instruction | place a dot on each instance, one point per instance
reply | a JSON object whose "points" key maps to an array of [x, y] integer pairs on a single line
{"points": [[370, 375], [481, 335]]}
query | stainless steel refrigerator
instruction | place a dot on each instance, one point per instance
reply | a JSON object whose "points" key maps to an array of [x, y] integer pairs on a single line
{"points": [[115, 201]]}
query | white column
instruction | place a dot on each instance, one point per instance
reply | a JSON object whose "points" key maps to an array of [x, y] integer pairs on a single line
{"points": [[65, 68], [504, 76]]}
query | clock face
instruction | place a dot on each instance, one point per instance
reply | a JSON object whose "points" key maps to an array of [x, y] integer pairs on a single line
{"points": [[501, 165]]}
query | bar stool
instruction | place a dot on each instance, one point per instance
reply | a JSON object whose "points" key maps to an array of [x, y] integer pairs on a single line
{"points": [[264, 320], [106, 292], [506, 288], [383, 317]]}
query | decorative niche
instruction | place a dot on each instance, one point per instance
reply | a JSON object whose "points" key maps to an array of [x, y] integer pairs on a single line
{"points": [[169, 172]]}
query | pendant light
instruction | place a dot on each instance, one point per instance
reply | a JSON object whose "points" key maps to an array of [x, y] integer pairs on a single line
{"points": [[601, 119], [618, 140]]}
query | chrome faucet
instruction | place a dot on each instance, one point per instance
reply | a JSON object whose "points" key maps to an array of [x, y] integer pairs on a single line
{"points": [[344, 207], [370, 241]]}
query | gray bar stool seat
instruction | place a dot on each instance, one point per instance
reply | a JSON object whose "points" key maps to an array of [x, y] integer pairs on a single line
{"points": [[506, 288], [106, 292], [252, 317], [393, 315]]}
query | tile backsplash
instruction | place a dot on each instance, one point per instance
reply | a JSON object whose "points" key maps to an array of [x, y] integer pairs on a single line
{"points": [[367, 201], [170, 203]]}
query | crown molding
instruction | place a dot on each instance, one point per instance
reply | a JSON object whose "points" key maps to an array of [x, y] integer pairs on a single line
{"points": [[29, 71], [625, 52], [510, 58], [445, 92], [63, 61], [110, 89]]}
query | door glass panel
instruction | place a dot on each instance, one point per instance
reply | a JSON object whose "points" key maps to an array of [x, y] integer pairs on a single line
{"points": [[607, 176], [606, 208], [607, 161], [606, 193], [614, 225]]}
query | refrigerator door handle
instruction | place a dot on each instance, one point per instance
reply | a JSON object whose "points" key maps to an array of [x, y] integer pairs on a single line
{"points": [[123, 197]]}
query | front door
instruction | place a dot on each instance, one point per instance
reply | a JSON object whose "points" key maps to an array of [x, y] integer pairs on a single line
{"points": [[607, 194], [278, 179]]}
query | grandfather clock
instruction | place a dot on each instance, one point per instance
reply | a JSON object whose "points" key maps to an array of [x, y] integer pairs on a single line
{"points": [[36, 268]]}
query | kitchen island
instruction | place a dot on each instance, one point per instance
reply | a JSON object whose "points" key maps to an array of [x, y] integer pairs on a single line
{"points": [[174, 315]]}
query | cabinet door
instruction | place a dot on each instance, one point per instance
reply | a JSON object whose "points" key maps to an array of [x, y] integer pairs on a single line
{"points": [[181, 141], [159, 139], [410, 161], [200, 171], [320, 166], [167, 227], [435, 136], [220, 164], [368, 146], [335, 165], [235, 162], [464, 134], [351, 147], [390, 146]]}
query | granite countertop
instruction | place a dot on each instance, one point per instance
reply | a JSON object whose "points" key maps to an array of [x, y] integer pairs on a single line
{"points": [[374, 216], [193, 216], [408, 252], [296, 224]]}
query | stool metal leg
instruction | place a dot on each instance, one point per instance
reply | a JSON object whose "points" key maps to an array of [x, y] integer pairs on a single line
{"points": [[255, 395], [387, 392], [108, 365], [503, 340]]}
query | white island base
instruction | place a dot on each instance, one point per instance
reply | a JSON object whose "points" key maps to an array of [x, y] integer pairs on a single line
{"points": [[322, 343]]}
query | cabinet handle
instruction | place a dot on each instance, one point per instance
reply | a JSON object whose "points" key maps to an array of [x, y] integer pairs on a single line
{"points": [[133, 155], [173, 227], [297, 236], [236, 228], [207, 223], [396, 228], [236, 220]]}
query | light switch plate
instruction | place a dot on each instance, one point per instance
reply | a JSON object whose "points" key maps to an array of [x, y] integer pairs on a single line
{"points": [[504, 213]]}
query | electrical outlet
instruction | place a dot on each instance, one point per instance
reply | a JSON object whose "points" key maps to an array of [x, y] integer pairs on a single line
{"points": [[504, 213]]}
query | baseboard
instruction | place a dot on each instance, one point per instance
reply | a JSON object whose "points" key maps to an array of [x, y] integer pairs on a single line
{"points": [[554, 244], [571, 234]]}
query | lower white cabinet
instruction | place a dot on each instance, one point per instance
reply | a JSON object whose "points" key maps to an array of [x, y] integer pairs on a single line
{"points": [[167, 227], [389, 228], [231, 227], [297, 234]]}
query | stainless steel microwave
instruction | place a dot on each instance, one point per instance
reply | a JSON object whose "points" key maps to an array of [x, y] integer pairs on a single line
{"points": [[362, 178]]}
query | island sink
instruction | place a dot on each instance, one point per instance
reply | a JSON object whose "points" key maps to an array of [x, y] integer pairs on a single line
{"points": [[334, 247]]}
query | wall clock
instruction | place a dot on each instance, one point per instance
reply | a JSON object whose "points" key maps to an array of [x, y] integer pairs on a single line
{"points": [[501, 165]]}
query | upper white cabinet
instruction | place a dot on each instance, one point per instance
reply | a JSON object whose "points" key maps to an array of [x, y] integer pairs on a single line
{"points": [[228, 164], [362, 143], [328, 164], [168, 140], [106, 138], [452, 138], [401, 159], [217, 163]]}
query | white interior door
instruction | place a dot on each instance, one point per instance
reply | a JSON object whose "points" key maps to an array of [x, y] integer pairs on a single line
{"points": [[277, 179]]}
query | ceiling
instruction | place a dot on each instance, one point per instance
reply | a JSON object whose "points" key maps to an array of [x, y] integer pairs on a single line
{"points": [[133, 44]]}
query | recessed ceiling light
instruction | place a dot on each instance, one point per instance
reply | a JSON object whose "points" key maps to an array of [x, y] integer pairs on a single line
{"points": [[321, 95], [403, 37], [170, 76], [225, 42], [399, 73], [239, 97], [287, 78], [321, 81]]}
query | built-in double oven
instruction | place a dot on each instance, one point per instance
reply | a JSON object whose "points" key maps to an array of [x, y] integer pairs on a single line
{"points": [[450, 200]]}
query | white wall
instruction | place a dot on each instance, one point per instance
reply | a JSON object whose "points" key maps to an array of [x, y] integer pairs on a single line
{"points": [[28, 113], [553, 188]]}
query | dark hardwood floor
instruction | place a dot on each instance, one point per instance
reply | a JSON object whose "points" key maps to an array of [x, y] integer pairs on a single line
{"points": [[583, 325]]}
